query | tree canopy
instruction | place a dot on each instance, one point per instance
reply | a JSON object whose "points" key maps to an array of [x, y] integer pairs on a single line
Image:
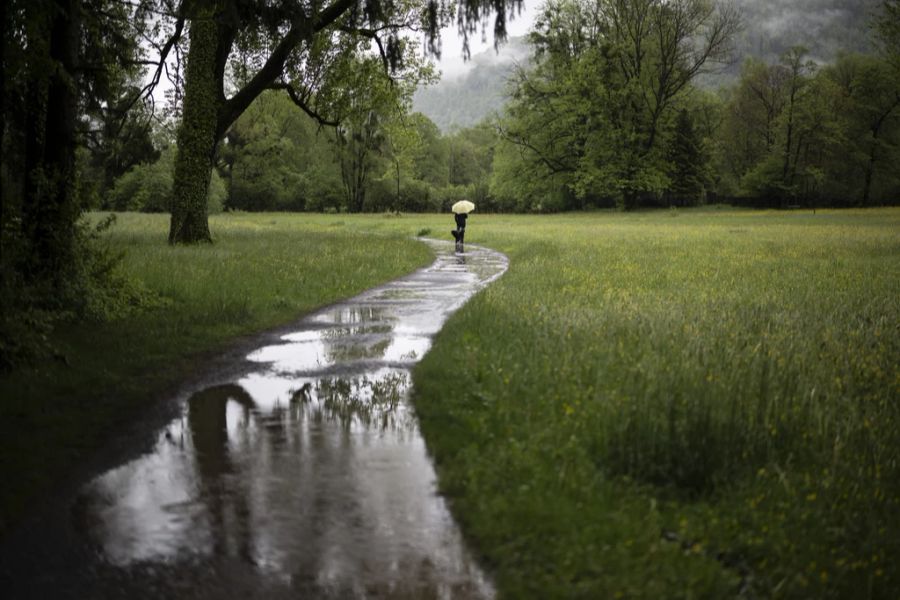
{"points": [[594, 113]]}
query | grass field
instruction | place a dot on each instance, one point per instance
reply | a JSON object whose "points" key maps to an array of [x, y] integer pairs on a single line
{"points": [[263, 270], [678, 405], [653, 405]]}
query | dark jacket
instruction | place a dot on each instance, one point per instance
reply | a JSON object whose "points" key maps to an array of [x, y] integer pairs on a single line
{"points": [[461, 220]]}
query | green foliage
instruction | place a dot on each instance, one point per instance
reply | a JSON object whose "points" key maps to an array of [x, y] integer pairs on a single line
{"points": [[796, 134], [651, 407], [887, 26], [471, 154], [594, 115], [430, 153], [148, 188], [375, 124], [24, 328], [866, 116], [520, 186], [277, 158], [65, 69], [687, 158]]}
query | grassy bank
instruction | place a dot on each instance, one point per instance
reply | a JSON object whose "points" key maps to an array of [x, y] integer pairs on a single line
{"points": [[263, 270], [678, 405]]}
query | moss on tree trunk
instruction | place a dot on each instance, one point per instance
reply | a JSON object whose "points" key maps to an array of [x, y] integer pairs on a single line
{"points": [[197, 136], [50, 210]]}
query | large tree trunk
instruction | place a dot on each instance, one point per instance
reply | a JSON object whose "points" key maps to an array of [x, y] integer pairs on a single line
{"points": [[50, 209], [197, 136]]}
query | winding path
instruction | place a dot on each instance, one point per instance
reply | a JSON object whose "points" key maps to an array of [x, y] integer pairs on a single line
{"points": [[296, 470]]}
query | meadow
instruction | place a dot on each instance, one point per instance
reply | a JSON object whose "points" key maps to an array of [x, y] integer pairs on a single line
{"points": [[677, 404]]}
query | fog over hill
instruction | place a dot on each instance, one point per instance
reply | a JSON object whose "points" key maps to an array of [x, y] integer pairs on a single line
{"points": [[463, 100], [825, 27]]}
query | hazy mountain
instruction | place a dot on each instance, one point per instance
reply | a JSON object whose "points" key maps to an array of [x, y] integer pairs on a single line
{"points": [[825, 27], [466, 99]]}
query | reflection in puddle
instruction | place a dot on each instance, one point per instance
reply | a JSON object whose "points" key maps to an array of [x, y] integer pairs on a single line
{"points": [[308, 469]]}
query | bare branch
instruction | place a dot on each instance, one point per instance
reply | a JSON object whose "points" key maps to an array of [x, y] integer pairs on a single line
{"points": [[147, 90]]}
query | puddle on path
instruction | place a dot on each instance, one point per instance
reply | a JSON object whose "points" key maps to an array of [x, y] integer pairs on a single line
{"points": [[305, 475]]}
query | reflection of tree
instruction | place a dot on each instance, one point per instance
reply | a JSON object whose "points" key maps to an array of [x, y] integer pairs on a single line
{"points": [[371, 402], [351, 315], [360, 333], [341, 352], [336, 333], [208, 425]]}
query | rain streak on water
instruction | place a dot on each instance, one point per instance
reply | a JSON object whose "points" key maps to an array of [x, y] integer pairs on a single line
{"points": [[304, 475]]}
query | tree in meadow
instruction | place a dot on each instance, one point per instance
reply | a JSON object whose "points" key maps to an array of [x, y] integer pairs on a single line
{"points": [[750, 125], [688, 161], [870, 110], [294, 46], [275, 157], [606, 87]]}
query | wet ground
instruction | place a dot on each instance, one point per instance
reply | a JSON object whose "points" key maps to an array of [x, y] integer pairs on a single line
{"points": [[295, 470]]}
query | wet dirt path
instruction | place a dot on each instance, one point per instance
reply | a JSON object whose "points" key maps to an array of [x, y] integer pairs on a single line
{"points": [[297, 471]]}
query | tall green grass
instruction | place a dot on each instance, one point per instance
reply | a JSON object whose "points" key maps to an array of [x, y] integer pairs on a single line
{"points": [[704, 405], [263, 270]]}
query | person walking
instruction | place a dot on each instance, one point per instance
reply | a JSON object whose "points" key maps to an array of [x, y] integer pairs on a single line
{"points": [[461, 212], [460, 232]]}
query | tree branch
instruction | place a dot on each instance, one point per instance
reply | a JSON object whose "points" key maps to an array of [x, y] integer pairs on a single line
{"points": [[554, 166], [302, 28], [301, 102]]}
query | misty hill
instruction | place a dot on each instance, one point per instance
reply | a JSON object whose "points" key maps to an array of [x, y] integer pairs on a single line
{"points": [[825, 27], [462, 101]]}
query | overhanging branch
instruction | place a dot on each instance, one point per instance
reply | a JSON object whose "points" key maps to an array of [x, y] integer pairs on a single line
{"points": [[301, 102]]}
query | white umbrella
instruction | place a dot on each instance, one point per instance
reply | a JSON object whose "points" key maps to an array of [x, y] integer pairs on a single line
{"points": [[463, 206]]}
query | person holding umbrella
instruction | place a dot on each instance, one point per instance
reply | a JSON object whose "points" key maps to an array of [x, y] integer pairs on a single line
{"points": [[461, 212]]}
